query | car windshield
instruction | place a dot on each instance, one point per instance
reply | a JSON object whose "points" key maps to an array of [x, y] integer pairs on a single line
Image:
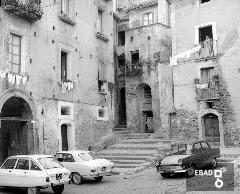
{"points": [[182, 149], [88, 156], [49, 163]]}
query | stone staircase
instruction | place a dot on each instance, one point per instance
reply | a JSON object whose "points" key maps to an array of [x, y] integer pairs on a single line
{"points": [[133, 150]]}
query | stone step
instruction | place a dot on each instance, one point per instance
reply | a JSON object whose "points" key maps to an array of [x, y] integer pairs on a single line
{"points": [[127, 153], [111, 158], [121, 132], [137, 162], [120, 129], [134, 147], [144, 141]]}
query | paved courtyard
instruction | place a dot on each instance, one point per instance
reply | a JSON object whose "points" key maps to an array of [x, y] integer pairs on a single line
{"points": [[145, 182]]}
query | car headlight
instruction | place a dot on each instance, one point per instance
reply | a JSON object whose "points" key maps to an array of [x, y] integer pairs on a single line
{"points": [[180, 162]]}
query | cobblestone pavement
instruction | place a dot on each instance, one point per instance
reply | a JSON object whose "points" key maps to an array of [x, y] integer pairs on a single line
{"points": [[146, 182]]}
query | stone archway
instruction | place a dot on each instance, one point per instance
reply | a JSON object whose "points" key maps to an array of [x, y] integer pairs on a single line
{"points": [[18, 120], [202, 124], [144, 108]]}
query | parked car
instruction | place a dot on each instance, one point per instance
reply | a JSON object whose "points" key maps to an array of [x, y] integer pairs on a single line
{"points": [[84, 165], [186, 157], [34, 172]]}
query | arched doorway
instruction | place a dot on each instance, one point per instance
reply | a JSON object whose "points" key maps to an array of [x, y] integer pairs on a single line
{"points": [[144, 108], [211, 125], [16, 132]]}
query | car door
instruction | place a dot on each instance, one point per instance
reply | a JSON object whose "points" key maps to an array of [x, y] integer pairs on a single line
{"points": [[66, 160], [7, 172], [21, 171], [207, 152], [199, 156], [34, 176]]}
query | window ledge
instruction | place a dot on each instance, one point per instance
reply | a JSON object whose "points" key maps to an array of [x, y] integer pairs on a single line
{"points": [[102, 36], [66, 18]]}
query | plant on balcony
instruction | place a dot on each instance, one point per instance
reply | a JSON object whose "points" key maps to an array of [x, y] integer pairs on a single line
{"points": [[102, 36], [29, 10]]}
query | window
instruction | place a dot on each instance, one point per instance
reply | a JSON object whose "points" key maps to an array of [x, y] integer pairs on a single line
{"points": [[168, 20], [63, 66], [148, 18], [68, 158], [9, 164], [102, 86], [205, 146], [15, 53], [135, 56], [121, 38], [204, 1], [65, 6], [49, 163], [23, 164], [205, 33], [197, 148], [209, 104], [206, 74], [99, 21], [102, 113], [34, 166], [65, 110], [121, 61]]}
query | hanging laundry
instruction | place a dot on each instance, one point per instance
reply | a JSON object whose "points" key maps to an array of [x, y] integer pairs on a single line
{"points": [[10, 77], [24, 80], [18, 79]]}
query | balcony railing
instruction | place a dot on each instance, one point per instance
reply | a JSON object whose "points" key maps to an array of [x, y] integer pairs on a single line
{"points": [[134, 69], [208, 49], [29, 10], [207, 91]]}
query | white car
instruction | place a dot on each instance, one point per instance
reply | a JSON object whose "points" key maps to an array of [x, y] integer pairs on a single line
{"points": [[85, 164], [34, 172]]}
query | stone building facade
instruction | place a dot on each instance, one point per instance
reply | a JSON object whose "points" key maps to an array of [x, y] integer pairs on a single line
{"points": [[56, 69], [205, 64], [144, 48]]}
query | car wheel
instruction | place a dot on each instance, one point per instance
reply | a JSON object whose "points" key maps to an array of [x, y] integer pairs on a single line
{"points": [[77, 178], [33, 190], [58, 189], [98, 179], [214, 163], [190, 171], [165, 175]]}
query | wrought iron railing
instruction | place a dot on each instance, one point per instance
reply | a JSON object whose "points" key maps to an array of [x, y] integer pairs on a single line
{"points": [[209, 48], [29, 10], [207, 91]]}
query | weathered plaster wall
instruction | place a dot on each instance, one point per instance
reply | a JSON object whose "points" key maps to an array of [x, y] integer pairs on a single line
{"points": [[42, 43], [225, 15]]}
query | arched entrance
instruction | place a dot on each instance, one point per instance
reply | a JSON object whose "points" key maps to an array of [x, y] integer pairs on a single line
{"points": [[144, 108], [211, 127], [16, 132]]}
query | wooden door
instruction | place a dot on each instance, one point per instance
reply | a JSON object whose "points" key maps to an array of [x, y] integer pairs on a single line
{"points": [[64, 137], [212, 134]]}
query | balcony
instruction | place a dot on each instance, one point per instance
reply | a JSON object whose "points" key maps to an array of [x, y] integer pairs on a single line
{"points": [[204, 51], [30, 10], [207, 91], [208, 49], [134, 69]]}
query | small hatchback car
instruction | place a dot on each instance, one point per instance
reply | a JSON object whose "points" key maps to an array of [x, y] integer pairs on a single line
{"points": [[85, 164], [186, 157], [34, 172]]}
